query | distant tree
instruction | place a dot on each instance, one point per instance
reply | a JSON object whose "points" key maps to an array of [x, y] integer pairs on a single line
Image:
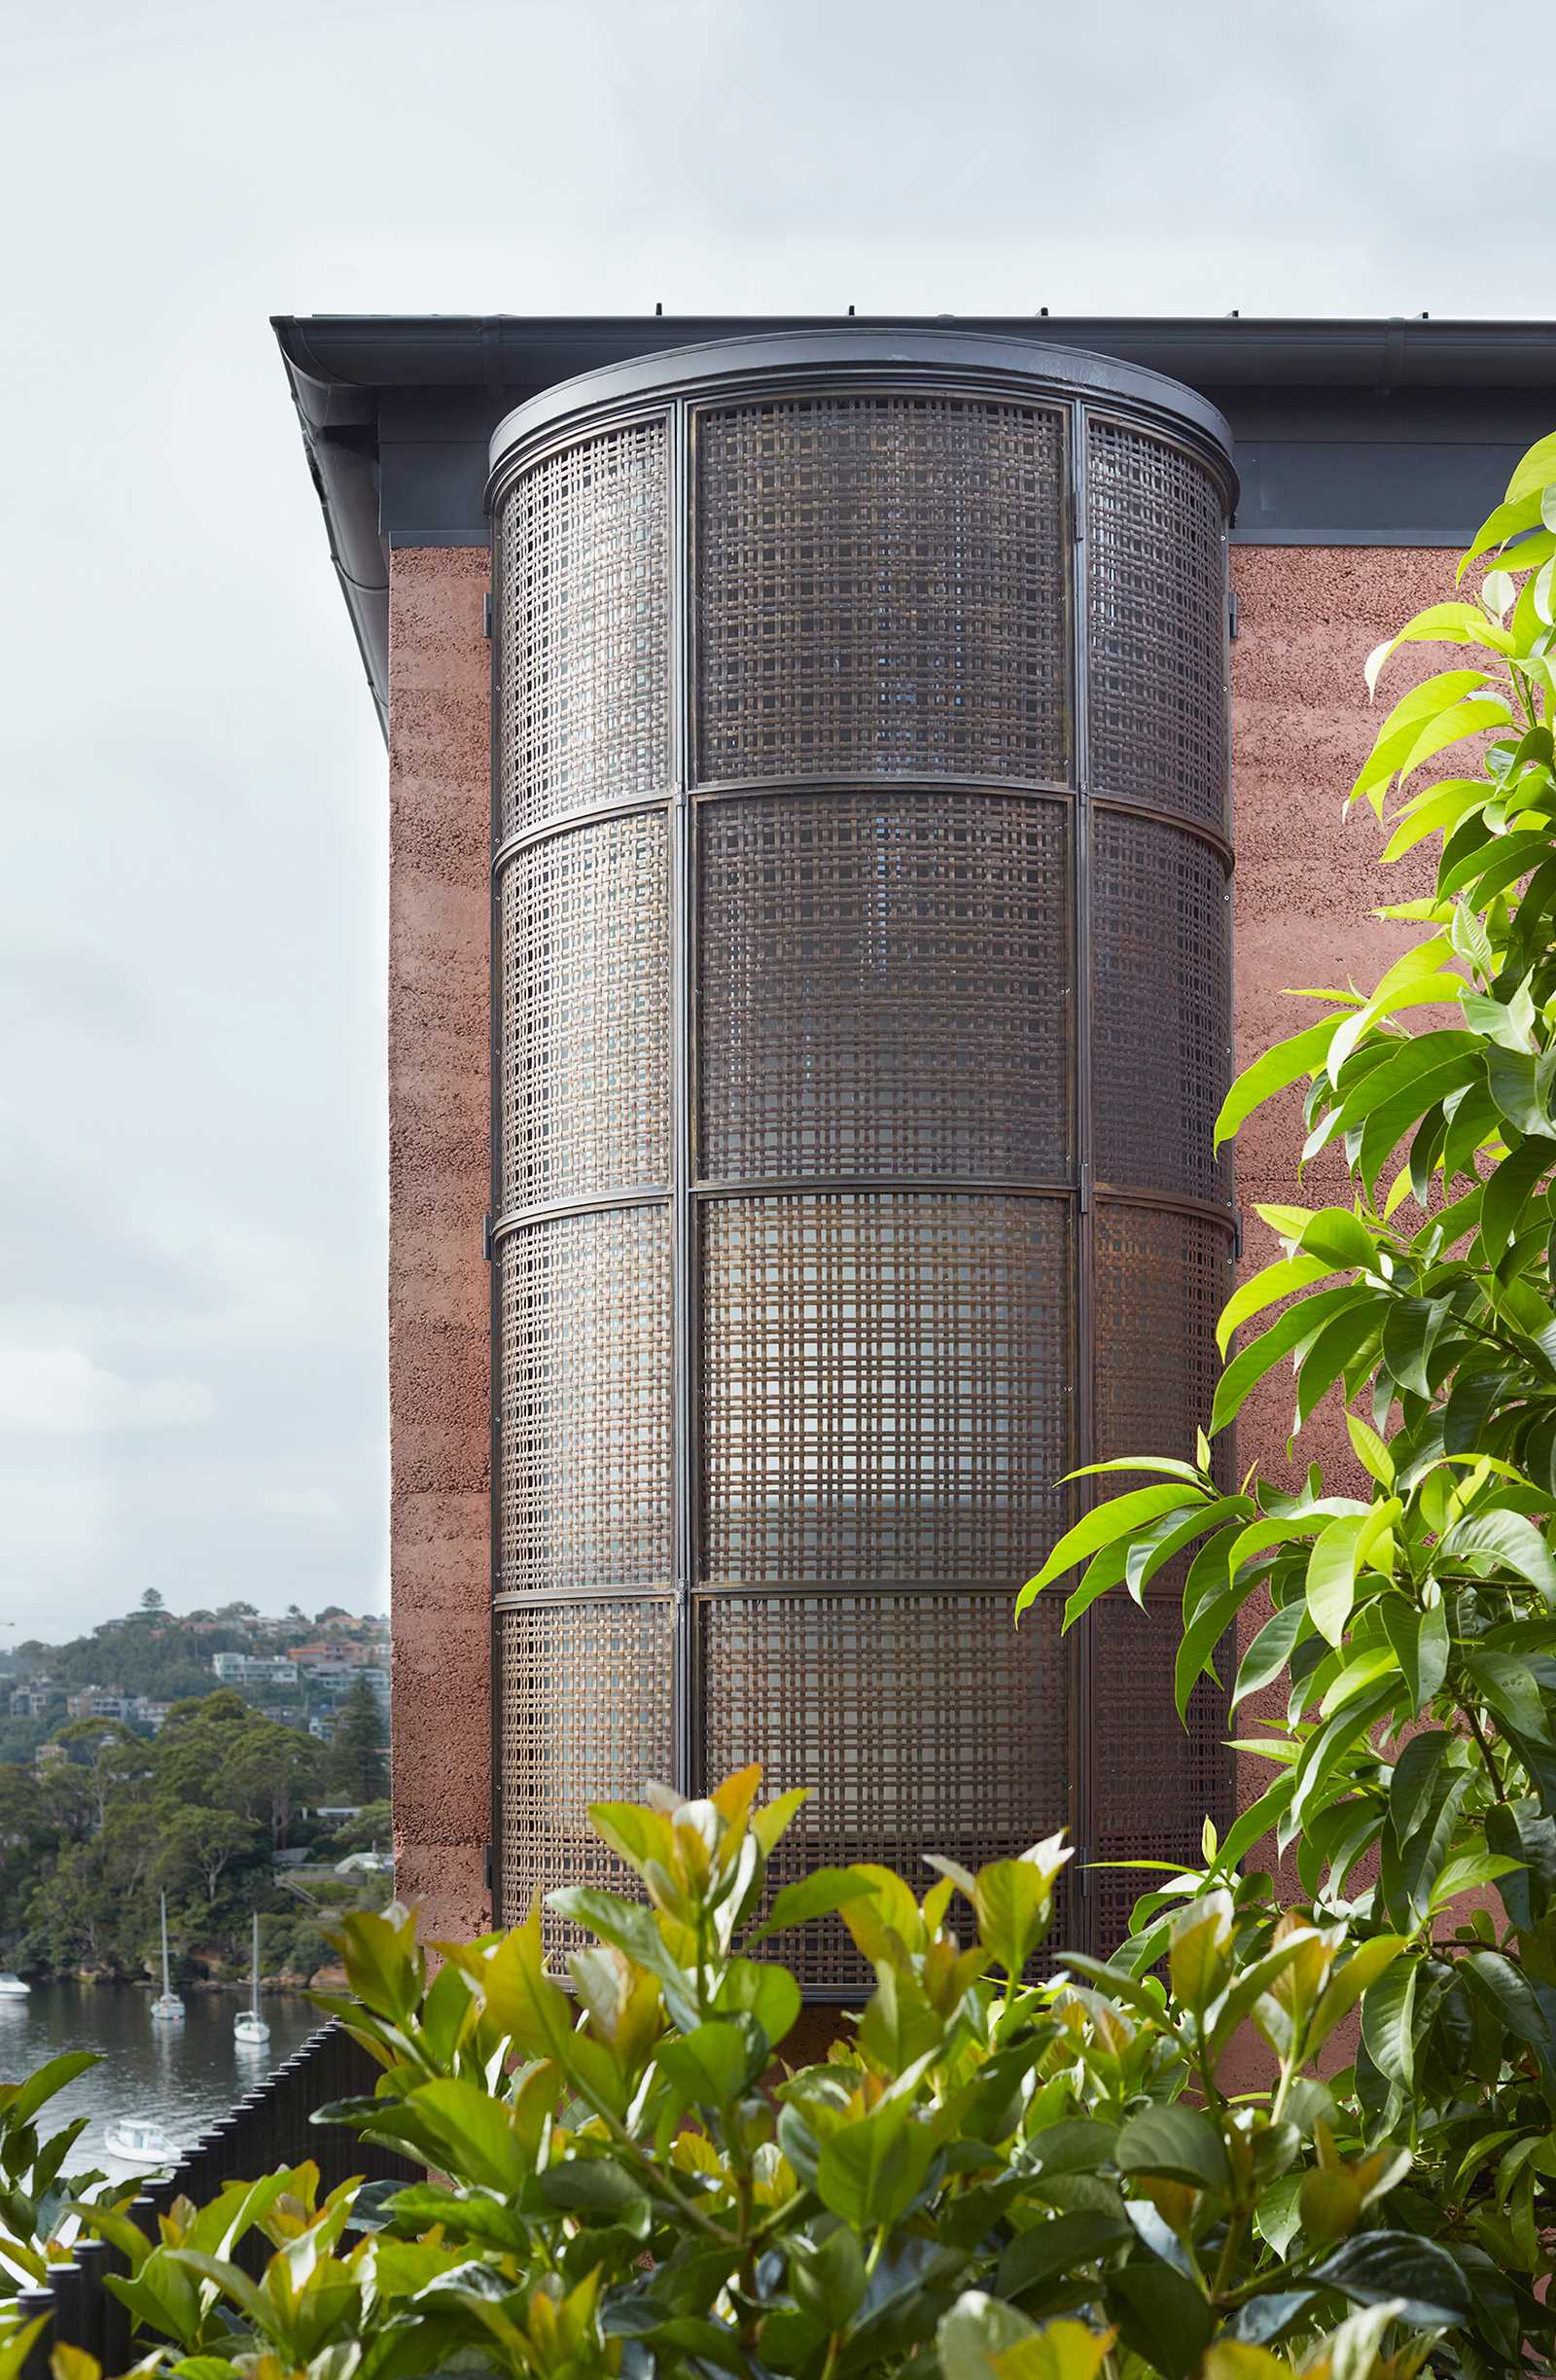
{"points": [[150, 1601], [238, 1610], [72, 1804], [222, 1751], [359, 1763], [201, 1845], [28, 1838], [371, 1830], [114, 1758], [98, 1904]]}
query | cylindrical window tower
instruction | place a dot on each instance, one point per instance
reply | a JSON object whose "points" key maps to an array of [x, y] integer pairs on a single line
{"points": [[862, 1005]]}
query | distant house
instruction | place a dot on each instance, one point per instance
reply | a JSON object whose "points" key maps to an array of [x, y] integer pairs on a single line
{"points": [[333, 1652], [99, 1702], [34, 1698], [253, 1669]]}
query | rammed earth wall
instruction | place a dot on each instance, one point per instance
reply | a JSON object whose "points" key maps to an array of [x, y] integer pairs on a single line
{"points": [[1304, 881]]}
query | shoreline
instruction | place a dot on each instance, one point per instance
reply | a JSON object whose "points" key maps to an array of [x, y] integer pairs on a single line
{"points": [[292, 1987]]}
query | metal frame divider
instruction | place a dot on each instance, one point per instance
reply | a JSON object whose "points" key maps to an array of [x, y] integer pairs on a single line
{"points": [[1083, 1451], [684, 1316]]}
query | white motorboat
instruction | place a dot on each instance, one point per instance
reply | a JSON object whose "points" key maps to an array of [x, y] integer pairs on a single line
{"points": [[249, 2028], [11, 1987], [166, 2008], [139, 2141]]}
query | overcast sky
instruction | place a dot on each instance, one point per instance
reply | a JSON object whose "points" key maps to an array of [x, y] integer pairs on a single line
{"points": [[191, 902]]}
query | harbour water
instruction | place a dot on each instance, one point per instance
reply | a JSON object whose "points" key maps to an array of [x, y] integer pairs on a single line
{"points": [[185, 2076]]}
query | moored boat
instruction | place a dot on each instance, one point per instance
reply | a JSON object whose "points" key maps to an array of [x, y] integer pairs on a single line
{"points": [[139, 2141], [249, 2028], [166, 2008]]}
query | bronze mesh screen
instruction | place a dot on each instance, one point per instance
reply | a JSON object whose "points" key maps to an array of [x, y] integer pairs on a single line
{"points": [[923, 1722], [1161, 1004], [1155, 1782], [880, 590], [884, 985], [1161, 1280], [1156, 625], [886, 1385], [583, 951], [862, 1005], [585, 1715], [582, 1476], [581, 628]]}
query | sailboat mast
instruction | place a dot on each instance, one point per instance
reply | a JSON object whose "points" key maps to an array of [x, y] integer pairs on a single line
{"points": [[167, 1985], [256, 1995]]}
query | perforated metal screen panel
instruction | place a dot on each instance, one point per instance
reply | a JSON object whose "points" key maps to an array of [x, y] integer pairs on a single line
{"points": [[880, 588], [861, 1004]]}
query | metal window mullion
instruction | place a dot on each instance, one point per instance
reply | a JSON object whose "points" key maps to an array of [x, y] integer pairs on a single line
{"points": [[683, 1302], [1080, 1638]]}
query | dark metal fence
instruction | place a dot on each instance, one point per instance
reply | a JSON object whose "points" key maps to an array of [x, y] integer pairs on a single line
{"points": [[268, 2128]]}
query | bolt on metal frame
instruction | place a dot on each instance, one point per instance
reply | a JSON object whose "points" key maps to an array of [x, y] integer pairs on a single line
{"points": [[671, 398]]}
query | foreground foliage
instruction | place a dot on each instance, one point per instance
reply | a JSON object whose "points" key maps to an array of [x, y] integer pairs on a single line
{"points": [[1127, 2169], [1408, 1636], [989, 2175]]}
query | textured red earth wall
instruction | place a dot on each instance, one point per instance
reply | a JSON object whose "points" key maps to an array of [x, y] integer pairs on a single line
{"points": [[1304, 881]]}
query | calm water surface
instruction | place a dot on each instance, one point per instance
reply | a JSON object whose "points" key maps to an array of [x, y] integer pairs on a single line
{"points": [[186, 2076]]}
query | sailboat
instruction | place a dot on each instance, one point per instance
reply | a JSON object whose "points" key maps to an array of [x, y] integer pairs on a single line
{"points": [[249, 2028], [166, 2008]]}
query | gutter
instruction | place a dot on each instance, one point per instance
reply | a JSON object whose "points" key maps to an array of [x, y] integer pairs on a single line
{"points": [[524, 353], [340, 426]]}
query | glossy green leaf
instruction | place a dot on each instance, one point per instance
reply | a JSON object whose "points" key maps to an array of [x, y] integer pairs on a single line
{"points": [[1508, 1191], [821, 1894], [1267, 1656], [1164, 2317], [1288, 1331], [1352, 1979], [871, 2172], [1491, 1541], [1424, 2279], [1331, 1573], [1387, 2022], [1101, 1526], [1284, 1278], [1506, 1990], [1177, 2142], [1369, 1450], [1301, 1053]]}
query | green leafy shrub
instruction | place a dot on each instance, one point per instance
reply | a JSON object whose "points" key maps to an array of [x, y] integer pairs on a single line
{"points": [[1412, 1627], [989, 2173], [37, 2190]]}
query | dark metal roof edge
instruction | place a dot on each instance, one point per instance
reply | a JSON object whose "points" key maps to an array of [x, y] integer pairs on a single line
{"points": [[712, 367], [500, 351], [345, 479], [336, 363]]}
